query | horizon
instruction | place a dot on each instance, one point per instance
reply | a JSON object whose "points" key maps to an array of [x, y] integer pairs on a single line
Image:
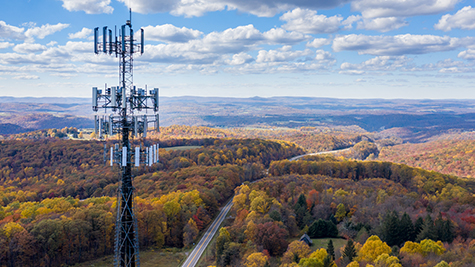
{"points": [[341, 49]]}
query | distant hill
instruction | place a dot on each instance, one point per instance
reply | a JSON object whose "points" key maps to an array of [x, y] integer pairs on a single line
{"points": [[419, 120]]}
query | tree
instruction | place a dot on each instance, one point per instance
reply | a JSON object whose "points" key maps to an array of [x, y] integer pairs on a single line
{"points": [[331, 249], [428, 230], [296, 251], [384, 260], [340, 212], [391, 229], [350, 251], [418, 225], [272, 237], [406, 228], [257, 259], [190, 232], [372, 248]]}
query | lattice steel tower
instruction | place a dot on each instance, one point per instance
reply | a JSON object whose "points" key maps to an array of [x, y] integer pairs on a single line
{"points": [[126, 105]]}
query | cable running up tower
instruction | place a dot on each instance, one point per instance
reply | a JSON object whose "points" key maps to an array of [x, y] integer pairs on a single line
{"points": [[127, 105]]}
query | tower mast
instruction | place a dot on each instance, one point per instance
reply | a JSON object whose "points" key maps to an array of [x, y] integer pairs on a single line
{"points": [[126, 104]]}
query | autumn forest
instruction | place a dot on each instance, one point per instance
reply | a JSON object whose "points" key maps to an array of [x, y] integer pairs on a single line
{"points": [[378, 200]]}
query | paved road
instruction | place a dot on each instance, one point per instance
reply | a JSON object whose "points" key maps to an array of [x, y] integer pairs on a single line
{"points": [[320, 153], [195, 255]]}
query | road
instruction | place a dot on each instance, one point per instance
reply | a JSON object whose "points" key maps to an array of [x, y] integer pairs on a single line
{"points": [[195, 255]]}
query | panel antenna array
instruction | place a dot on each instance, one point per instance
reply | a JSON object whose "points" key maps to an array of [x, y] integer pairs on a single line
{"points": [[128, 117]]}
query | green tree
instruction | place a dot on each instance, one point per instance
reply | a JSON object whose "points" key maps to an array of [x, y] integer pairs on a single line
{"points": [[350, 251], [428, 230], [331, 249]]}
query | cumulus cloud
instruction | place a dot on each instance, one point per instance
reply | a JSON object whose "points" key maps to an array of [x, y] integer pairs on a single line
{"points": [[381, 63], [29, 48], [382, 24], [9, 32], [89, 6], [283, 54], [281, 36], [217, 46], [4, 45], [239, 59], [170, 33], [44, 30], [396, 45], [401, 8], [463, 19], [319, 42], [261, 8], [83, 34], [467, 54], [307, 21]]}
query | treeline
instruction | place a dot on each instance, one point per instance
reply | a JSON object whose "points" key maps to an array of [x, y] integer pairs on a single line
{"points": [[415, 179], [37, 169]]}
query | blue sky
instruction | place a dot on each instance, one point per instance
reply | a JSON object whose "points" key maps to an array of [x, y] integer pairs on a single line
{"points": [[245, 48]]}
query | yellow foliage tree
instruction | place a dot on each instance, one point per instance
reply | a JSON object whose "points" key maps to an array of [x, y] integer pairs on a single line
{"points": [[372, 248], [411, 248], [257, 259], [296, 251], [384, 260], [11, 228], [430, 246], [319, 254]]}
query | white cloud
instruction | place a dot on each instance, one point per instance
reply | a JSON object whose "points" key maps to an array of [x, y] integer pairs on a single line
{"points": [[4, 45], [261, 8], [398, 44], [26, 77], [463, 19], [319, 42], [239, 59], [325, 56], [83, 34], [8, 32], [382, 24], [282, 55], [467, 54], [29, 48], [44, 30], [401, 8], [89, 6], [281, 36], [381, 63], [307, 21], [170, 33]]}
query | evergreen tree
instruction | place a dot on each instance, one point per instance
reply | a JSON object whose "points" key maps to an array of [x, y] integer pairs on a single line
{"points": [[449, 234], [406, 228], [332, 230], [417, 228], [390, 227], [318, 229], [331, 249], [439, 227], [349, 252], [428, 230]]}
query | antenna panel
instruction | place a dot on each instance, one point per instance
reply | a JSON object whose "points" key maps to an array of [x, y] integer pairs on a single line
{"points": [[124, 156], [112, 156], [96, 37], [131, 40], [137, 156], [142, 41], [104, 39]]}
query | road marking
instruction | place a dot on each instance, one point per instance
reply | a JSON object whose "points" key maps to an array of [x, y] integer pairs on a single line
{"points": [[212, 229]]}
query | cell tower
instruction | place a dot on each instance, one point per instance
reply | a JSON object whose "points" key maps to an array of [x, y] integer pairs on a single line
{"points": [[127, 106]]}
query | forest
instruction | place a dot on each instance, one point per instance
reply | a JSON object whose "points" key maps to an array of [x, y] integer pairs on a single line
{"points": [[57, 197], [58, 205]]}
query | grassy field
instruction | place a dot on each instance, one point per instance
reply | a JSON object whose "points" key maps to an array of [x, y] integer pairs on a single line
{"points": [[181, 147], [149, 258], [323, 242]]}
